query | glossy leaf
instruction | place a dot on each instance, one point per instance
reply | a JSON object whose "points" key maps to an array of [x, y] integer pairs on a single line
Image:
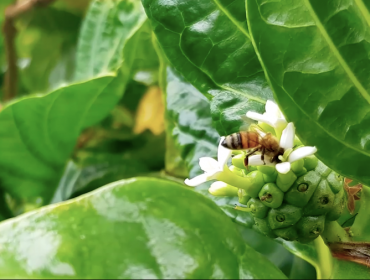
{"points": [[190, 126], [105, 31], [137, 228], [210, 47], [361, 225], [349, 270], [38, 134], [316, 253], [316, 59]]}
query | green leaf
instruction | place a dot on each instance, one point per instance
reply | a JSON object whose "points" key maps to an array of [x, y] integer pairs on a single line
{"points": [[316, 60], [137, 228], [190, 126], [105, 31], [349, 270], [100, 170], [316, 253], [38, 134], [361, 226], [210, 47]]}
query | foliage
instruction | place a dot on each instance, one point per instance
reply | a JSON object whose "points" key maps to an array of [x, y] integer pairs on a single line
{"points": [[118, 99]]}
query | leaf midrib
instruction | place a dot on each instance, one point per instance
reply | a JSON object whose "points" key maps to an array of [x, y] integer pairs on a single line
{"points": [[231, 18], [335, 51], [364, 11]]}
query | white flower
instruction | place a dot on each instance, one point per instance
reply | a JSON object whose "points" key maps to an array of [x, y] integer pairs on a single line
{"points": [[212, 168], [286, 142], [273, 117], [217, 170]]}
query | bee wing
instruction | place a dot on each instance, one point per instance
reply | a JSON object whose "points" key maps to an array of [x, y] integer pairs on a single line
{"points": [[256, 128], [246, 123]]}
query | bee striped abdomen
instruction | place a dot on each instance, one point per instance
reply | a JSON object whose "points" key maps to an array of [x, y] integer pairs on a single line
{"points": [[233, 141], [241, 140]]}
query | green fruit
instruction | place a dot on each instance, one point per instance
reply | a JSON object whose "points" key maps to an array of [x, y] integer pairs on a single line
{"points": [[310, 162], [338, 206], [256, 184], [288, 233], [321, 201], [294, 206], [243, 196], [271, 196], [285, 181], [335, 182], [322, 169], [238, 161], [284, 216], [259, 210], [297, 166], [236, 170], [309, 228], [303, 188], [263, 227]]}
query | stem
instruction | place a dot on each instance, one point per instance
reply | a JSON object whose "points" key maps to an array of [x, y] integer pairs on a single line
{"points": [[325, 259], [245, 209], [11, 13]]}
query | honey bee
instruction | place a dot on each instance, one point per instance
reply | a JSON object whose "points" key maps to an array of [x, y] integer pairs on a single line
{"points": [[255, 140]]}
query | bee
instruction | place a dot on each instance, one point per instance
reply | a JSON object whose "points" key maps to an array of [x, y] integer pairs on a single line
{"points": [[255, 140]]}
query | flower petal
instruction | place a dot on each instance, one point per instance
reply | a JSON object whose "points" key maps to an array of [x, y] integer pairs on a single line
{"points": [[301, 153], [287, 137], [208, 164], [196, 181], [256, 160], [223, 154], [272, 109], [283, 167], [262, 118]]}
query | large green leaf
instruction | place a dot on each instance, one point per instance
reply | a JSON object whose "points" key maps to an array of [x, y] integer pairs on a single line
{"points": [[210, 46], [316, 253], [38, 134], [137, 228], [316, 59], [190, 126]]}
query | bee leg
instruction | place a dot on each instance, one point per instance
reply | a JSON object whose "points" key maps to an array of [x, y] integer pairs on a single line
{"points": [[263, 156], [246, 157]]}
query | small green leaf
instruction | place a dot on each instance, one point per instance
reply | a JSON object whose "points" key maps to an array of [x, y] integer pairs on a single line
{"points": [[315, 57], [137, 228], [210, 47]]}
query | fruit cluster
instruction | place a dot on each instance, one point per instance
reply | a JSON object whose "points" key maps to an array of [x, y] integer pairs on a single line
{"points": [[293, 206]]}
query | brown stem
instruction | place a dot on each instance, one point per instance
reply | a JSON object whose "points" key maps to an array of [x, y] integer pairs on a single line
{"points": [[358, 252], [11, 13]]}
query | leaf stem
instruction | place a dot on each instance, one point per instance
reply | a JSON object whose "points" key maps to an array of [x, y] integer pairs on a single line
{"points": [[325, 259]]}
